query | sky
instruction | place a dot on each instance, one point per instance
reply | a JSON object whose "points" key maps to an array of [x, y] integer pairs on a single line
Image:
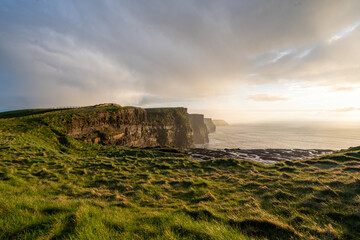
{"points": [[239, 60]]}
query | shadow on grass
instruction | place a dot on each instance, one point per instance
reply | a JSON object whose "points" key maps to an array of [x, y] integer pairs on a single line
{"points": [[23, 232], [202, 214], [264, 228], [185, 233], [351, 222], [68, 228]]}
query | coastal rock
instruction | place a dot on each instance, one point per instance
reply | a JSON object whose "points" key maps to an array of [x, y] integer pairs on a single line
{"points": [[211, 127], [133, 127], [220, 122], [200, 131], [265, 156]]}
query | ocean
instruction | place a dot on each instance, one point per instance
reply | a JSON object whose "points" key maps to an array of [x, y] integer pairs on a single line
{"points": [[285, 136]]}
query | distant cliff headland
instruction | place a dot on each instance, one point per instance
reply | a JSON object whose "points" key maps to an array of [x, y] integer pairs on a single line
{"points": [[220, 122]]}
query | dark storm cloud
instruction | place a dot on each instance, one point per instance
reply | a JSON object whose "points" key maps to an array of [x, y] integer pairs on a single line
{"points": [[135, 52]]}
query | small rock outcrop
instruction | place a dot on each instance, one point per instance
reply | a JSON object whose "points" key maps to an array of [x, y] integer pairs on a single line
{"points": [[111, 124], [211, 127], [220, 122], [200, 131]]}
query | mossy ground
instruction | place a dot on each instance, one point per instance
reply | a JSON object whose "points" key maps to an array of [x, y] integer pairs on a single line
{"points": [[54, 187]]}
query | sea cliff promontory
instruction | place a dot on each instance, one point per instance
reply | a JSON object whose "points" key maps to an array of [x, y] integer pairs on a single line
{"points": [[133, 127], [211, 127], [112, 124], [200, 131]]}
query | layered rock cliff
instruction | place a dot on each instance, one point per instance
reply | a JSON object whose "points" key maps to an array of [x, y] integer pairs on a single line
{"points": [[211, 127], [200, 132], [134, 127]]}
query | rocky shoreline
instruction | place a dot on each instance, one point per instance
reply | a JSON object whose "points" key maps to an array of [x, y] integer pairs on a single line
{"points": [[265, 156]]}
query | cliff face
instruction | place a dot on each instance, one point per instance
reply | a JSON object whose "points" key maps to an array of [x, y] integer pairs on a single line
{"points": [[200, 132], [134, 127], [210, 125]]}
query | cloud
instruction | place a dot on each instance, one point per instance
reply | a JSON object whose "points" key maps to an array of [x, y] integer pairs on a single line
{"points": [[83, 52], [344, 110], [266, 98], [344, 32], [344, 88]]}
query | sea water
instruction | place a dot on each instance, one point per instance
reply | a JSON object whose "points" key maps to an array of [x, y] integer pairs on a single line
{"points": [[285, 136]]}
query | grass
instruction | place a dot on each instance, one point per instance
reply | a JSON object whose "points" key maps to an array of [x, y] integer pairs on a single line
{"points": [[55, 187], [27, 112]]}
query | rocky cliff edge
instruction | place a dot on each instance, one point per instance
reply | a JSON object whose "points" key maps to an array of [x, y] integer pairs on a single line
{"points": [[112, 124]]}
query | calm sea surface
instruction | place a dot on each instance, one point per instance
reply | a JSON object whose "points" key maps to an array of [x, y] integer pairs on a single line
{"points": [[285, 136]]}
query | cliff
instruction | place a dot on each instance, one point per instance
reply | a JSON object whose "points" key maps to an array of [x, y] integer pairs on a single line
{"points": [[220, 122], [200, 132], [133, 127], [211, 127]]}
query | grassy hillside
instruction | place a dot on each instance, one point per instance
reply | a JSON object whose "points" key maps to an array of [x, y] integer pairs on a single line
{"points": [[54, 187]]}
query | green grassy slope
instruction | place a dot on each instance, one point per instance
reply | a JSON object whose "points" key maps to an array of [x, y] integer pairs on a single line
{"points": [[54, 187], [26, 112]]}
